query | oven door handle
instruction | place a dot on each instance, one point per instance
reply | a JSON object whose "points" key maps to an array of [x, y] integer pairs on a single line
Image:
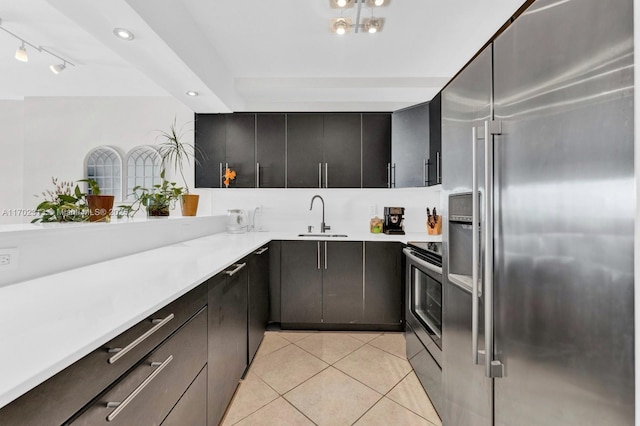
{"points": [[420, 262]]}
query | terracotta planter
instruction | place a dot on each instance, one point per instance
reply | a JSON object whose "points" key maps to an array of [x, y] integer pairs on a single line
{"points": [[100, 207], [189, 204]]}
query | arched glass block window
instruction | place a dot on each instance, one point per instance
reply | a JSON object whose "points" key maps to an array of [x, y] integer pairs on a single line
{"points": [[144, 165], [104, 165]]}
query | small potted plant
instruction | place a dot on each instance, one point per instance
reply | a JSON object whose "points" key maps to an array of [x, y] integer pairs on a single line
{"points": [[62, 204], [176, 152], [158, 200], [100, 206]]}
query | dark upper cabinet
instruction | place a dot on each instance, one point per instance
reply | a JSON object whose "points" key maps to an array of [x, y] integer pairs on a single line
{"points": [[305, 136], [210, 138], [342, 289], [434, 170], [271, 136], [226, 140], [301, 282], [376, 150], [410, 146], [383, 283], [342, 150], [240, 149]]}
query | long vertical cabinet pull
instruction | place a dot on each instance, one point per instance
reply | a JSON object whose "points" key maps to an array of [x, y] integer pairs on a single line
{"points": [[388, 175], [438, 178], [393, 175], [318, 254], [475, 255], [492, 368], [425, 180], [319, 175], [220, 175], [257, 175], [325, 255], [326, 175]]}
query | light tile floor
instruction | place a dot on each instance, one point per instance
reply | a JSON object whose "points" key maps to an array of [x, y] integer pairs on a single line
{"points": [[331, 378]]}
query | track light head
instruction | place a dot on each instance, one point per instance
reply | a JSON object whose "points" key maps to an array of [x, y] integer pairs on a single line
{"points": [[373, 25], [21, 54], [57, 69]]}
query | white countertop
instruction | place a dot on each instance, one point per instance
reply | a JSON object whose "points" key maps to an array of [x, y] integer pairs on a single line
{"points": [[47, 324]]}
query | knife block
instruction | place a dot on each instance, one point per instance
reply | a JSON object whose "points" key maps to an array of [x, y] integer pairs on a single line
{"points": [[437, 229]]}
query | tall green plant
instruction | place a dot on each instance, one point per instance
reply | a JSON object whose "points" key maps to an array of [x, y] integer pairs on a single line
{"points": [[176, 153]]}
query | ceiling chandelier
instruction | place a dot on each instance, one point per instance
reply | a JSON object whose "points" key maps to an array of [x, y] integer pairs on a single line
{"points": [[343, 25]]}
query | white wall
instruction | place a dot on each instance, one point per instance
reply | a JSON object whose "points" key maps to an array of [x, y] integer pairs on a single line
{"points": [[346, 210], [11, 160], [59, 131]]}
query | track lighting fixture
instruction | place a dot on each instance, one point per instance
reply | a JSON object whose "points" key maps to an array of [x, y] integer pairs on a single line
{"points": [[372, 25], [57, 69], [341, 4], [377, 3], [21, 52]]}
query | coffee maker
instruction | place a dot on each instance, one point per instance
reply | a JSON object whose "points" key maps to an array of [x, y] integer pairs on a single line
{"points": [[393, 218]]}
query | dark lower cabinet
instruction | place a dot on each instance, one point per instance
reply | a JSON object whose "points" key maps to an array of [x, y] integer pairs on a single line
{"points": [[301, 282], [383, 283], [147, 394], [192, 408], [342, 284], [227, 337], [258, 298]]}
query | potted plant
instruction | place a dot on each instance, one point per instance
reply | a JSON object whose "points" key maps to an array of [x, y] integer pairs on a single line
{"points": [[174, 151], [158, 200], [62, 204], [100, 206]]}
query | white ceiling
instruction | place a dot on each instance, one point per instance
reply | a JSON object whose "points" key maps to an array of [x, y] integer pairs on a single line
{"points": [[268, 55]]}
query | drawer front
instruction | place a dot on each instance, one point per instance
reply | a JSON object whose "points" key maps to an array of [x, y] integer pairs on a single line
{"points": [[60, 397], [146, 394], [191, 410]]}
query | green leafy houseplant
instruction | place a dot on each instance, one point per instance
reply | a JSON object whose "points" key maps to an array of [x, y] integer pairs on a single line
{"points": [[62, 204], [100, 206], [175, 152], [157, 200]]}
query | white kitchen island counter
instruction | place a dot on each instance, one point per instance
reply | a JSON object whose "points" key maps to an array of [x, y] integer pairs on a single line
{"points": [[48, 323]]}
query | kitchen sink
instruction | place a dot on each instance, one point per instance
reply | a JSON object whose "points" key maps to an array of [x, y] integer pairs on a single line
{"points": [[323, 235]]}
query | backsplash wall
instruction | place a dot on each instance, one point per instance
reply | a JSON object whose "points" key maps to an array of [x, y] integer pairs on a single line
{"points": [[346, 210]]}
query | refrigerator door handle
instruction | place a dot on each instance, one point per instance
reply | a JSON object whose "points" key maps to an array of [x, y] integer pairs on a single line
{"points": [[492, 368], [477, 357]]}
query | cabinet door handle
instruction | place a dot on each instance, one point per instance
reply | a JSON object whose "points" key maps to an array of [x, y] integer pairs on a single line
{"points": [[234, 271], [122, 405], [257, 175], [425, 171], [393, 182], [262, 250], [388, 175], [326, 175], [318, 254], [325, 255], [220, 175], [120, 352], [319, 175], [438, 167]]}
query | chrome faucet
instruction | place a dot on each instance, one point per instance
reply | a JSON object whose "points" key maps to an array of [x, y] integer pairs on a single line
{"points": [[323, 227]]}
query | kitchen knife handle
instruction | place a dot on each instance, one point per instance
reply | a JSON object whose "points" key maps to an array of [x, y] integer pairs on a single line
{"points": [[475, 226]]}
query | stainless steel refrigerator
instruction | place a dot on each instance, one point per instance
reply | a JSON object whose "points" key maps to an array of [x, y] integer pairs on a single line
{"points": [[538, 200]]}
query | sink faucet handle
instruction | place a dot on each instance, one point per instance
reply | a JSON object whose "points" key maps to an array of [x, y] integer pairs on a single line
{"points": [[310, 229]]}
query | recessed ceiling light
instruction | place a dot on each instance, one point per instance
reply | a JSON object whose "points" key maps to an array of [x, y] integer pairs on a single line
{"points": [[192, 93], [123, 34]]}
